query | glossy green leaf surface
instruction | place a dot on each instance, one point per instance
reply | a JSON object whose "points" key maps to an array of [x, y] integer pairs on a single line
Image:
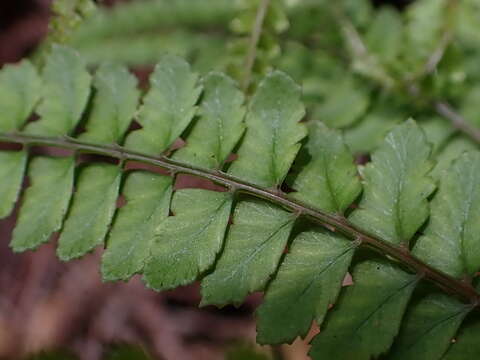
{"points": [[114, 105], [91, 212], [187, 243], [451, 241], [308, 280], [367, 316], [465, 345], [45, 202], [428, 327], [396, 186], [394, 179], [20, 88], [168, 107], [253, 247], [129, 244], [66, 88], [329, 181], [273, 132], [12, 168], [345, 104], [220, 124]]}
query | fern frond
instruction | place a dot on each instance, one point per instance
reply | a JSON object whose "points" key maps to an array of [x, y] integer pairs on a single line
{"points": [[320, 224]]}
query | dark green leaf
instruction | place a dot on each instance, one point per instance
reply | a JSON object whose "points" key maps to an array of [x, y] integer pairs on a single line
{"points": [[466, 345], [253, 247], [367, 316], [428, 328], [308, 280]]}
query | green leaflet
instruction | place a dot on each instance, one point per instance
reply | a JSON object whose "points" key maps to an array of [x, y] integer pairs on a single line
{"points": [[186, 244], [438, 133], [368, 134], [168, 107], [45, 202], [396, 186], [12, 167], [425, 24], [394, 207], [466, 346], [329, 181], [91, 212], [66, 87], [367, 315], [130, 240], [253, 247], [256, 239], [311, 274], [345, 104], [308, 280], [273, 132], [428, 327], [220, 125], [384, 37], [452, 150], [19, 92], [451, 241], [114, 105]]}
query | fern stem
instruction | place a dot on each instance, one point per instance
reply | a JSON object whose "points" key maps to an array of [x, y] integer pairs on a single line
{"points": [[329, 221], [254, 39], [458, 121]]}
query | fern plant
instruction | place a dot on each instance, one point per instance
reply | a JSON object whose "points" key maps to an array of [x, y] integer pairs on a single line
{"points": [[410, 243]]}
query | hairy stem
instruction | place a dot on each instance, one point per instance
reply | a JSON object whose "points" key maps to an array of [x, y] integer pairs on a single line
{"points": [[252, 46], [329, 221], [458, 121]]}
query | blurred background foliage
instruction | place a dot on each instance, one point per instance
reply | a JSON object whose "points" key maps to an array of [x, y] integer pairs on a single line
{"points": [[364, 65]]}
